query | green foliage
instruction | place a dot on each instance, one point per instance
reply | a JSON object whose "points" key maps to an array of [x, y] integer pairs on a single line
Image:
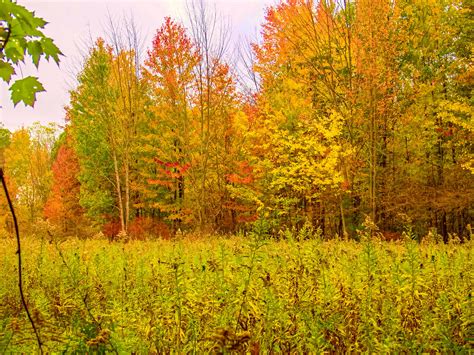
{"points": [[6, 71], [235, 295], [5, 135], [21, 36], [25, 90], [90, 107]]}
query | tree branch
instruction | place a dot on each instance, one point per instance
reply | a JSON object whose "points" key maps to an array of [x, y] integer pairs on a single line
{"points": [[18, 252]]}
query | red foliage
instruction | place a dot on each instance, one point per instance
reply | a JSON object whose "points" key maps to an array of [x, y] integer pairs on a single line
{"points": [[111, 228], [181, 168], [62, 207], [166, 183], [142, 227], [244, 175], [171, 45], [139, 228], [247, 218], [390, 236], [345, 185], [172, 170]]}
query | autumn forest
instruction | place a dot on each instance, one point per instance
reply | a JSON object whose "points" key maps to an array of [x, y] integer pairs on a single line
{"points": [[346, 123], [343, 110]]}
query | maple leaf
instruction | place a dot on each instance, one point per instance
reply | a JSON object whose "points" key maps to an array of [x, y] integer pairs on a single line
{"points": [[25, 90]]}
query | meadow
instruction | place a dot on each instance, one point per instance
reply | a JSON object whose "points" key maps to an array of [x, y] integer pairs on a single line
{"points": [[236, 294]]}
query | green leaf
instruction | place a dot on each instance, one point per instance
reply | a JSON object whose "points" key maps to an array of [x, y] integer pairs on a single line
{"points": [[3, 34], [25, 90], [38, 22], [24, 17], [13, 53], [6, 71], [5, 10], [35, 50], [50, 49]]}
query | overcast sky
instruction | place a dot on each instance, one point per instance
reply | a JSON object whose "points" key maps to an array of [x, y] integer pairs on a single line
{"points": [[72, 23]]}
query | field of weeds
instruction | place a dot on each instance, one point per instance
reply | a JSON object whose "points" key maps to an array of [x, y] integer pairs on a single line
{"points": [[238, 295]]}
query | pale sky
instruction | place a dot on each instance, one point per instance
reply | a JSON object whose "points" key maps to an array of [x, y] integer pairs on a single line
{"points": [[72, 23]]}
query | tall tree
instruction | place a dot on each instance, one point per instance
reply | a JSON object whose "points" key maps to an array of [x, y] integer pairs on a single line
{"points": [[301, 62], [128, 109], [169, 146], [435, 137], [62, 207], [214, 104], [92, 129], [109, 98], [375, 89]]}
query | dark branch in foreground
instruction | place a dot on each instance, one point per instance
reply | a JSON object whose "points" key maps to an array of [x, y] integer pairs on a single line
{"points": [[18, 252]]}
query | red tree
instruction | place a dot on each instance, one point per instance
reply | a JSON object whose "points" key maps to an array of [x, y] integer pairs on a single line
{"points": [[62, 207]]}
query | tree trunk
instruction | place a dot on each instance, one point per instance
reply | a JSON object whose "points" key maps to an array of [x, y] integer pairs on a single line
{"points": [[119, 192], [127, 196]]}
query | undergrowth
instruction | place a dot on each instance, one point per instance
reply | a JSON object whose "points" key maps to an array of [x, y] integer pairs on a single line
{"points": [[239, 295]]}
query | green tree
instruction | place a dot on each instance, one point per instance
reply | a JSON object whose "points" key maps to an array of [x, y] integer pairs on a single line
{"points": [[91, 128], [4, 137], [105, 111]]}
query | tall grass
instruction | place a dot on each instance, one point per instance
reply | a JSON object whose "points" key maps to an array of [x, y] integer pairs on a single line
{"points": [[233, 294]]}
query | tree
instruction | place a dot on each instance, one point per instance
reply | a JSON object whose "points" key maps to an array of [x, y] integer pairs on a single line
{"points": [[62, 207], [433, 144], [215, 106], [299, 134], [128, 111], [28, 169], [90, 107], [5, 135], [168, 147], [20, 37], [375, 94], [5, 138], [110, 98], [190, 147]]}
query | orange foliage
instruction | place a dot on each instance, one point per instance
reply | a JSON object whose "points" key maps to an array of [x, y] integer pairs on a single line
{"points": [[142, 227], [62, 207], [243, 176], [111, 229]]}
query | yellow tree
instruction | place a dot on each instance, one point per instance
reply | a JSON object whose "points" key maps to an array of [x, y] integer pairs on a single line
{"points": [[374, 93], [301, 62], [28, 169], [214, 104], [219, 116], [127, 111], [189, 147], [433, 149]]}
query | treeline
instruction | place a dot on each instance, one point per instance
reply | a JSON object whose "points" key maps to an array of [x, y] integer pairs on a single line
{"points": [[342, 110]]}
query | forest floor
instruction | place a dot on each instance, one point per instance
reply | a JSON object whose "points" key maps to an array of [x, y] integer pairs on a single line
{"points": [[238, 295]]}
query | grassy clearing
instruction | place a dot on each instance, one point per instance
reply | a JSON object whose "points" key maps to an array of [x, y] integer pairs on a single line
{"points": [[239, 295]]}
